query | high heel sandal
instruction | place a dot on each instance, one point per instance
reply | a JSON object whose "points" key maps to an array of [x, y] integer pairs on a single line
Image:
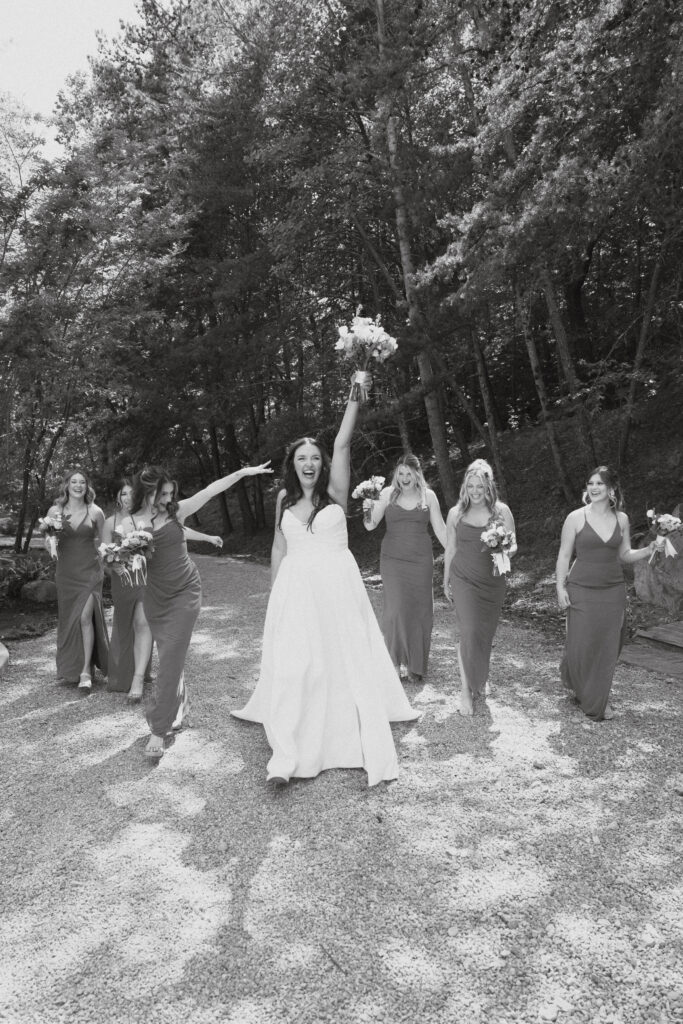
{"points": [[154, 751], [134, 695], [85, 682]]}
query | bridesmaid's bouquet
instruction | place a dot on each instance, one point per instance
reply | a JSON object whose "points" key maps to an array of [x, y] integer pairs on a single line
{"points": [[51, 527], [129, 558], [498, 540], [664, 525], [371, 489], [365, 341]]}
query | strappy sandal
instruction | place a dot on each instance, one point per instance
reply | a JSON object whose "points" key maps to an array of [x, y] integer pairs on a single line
{"points": [[154, 751]]}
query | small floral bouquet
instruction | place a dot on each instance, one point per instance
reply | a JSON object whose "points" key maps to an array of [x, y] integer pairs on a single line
{"points": [[366, 340], [371, 489], [664, 525], [51, 527], [498, 540], [129, 558]]}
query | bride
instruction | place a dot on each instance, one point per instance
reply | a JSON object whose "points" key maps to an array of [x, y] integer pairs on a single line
{"points": [[327, 690]]}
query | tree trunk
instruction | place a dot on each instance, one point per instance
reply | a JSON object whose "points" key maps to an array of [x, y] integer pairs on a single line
{"points": [[246, 512], [484, 387], [218, 473], [537, 373], [433, 406], [638, 360]]}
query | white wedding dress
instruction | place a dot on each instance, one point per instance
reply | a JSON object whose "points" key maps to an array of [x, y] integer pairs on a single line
{"points": [[327, 688]]}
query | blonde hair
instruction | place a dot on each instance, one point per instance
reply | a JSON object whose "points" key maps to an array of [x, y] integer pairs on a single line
{"points": [[412, 463], [63, 496], [481, 469]]}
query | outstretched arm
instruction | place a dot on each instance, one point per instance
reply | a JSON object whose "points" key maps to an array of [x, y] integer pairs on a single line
{"points": [[188, 506], [340, 471], [191, 534]]}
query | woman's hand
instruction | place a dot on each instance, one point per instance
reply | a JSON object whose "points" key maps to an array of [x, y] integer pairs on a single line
{"points": [[217, 542], [563, 598], [255, 470]]}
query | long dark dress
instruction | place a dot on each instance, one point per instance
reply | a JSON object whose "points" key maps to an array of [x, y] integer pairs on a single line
{"points": [[78, 575], [406, 564], [172, 601], [478, 598], [595, 619], [121, 645]]}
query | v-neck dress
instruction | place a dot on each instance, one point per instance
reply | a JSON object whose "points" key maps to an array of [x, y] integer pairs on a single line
{"points": [[595, 619], [79, 574], [327, 689], [406, 565]]}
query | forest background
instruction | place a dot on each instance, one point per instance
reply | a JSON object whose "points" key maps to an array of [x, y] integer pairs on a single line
{"points": [[499, 181]]}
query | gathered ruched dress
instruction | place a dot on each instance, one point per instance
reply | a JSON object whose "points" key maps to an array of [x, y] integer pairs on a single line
{"points": [[172, 602], [596, 619], [121, 644], [327, 689], [478, 598], [406, 565], [79, 574]]}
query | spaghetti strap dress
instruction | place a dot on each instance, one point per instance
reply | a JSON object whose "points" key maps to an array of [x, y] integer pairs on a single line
{"points": [[327, 689], [406, 565], [121, 644], [172, 601], [79, 574], [596, 619], [478, 598]]}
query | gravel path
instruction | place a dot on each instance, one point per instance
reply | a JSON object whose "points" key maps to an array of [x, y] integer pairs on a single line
{"points": [[525, 866]]}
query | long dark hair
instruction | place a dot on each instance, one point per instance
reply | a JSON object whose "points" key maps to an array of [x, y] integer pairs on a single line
{"points": [[63, 496], [292, 486], [611, 481], [147, 484], [125, 481]]}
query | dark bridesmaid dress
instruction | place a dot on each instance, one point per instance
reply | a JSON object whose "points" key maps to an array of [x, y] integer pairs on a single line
{"points": [[172, 600], [478, 598], [406, 564], [121, 645], [78, 575], [596, 619]]}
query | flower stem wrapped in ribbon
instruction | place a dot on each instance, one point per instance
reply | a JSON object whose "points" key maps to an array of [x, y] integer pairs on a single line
{"points": [[51, 527], [664, 525], [371, 489], [498, 540], [365, 341], [129, 558]]}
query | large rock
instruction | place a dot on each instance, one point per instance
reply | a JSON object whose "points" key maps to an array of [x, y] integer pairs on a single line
{"points": [[39, 592], [662, 582]]}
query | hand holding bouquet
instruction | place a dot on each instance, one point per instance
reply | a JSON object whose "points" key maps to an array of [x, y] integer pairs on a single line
{"points": [[129, 558], [51, 527], [664, 525], [498, 540], [364, 341], [369, 491]]}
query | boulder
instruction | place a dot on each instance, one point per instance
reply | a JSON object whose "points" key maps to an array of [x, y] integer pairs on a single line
{"points": [[661, 583], [4, 658], [39, 592]]}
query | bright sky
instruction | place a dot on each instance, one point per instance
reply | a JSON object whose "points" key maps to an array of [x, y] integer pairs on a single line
{"points": [[43, 41]]}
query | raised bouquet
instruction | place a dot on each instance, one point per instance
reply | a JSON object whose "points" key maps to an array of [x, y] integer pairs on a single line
{"points": [[371, 489], [129, 558], [51, 528], [498, 540], [364, 341], [664, 525]]}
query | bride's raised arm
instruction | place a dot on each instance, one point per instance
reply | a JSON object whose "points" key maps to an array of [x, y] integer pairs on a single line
{"points": [[340, 470]]}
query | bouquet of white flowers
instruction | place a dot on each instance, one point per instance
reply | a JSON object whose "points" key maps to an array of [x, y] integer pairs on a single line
{"points": [[129, 558], [664, 525], [364, 341], [371, 489], [498, 540], [51, 527]]}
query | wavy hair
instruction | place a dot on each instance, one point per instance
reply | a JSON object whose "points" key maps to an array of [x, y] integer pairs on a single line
{"points": [[292, 485], [412, 463], [63, 496], [147, 487], [611, 481], [124, 482], [482, 469]]}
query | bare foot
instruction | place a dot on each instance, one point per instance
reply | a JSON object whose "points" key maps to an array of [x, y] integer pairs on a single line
{"points": [[466, 707]]}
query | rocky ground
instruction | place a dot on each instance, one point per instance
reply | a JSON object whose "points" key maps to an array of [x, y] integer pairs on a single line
{"points": [[525, 866]]}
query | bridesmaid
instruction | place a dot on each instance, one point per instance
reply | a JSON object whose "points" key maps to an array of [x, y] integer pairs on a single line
{"points": [[173, 593], [469, 583], [593, 593], [130, 651], [408, 507], [82, 640]]}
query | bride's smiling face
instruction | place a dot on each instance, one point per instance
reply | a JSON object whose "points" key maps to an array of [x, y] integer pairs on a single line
{"points": [[308, 464]]}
